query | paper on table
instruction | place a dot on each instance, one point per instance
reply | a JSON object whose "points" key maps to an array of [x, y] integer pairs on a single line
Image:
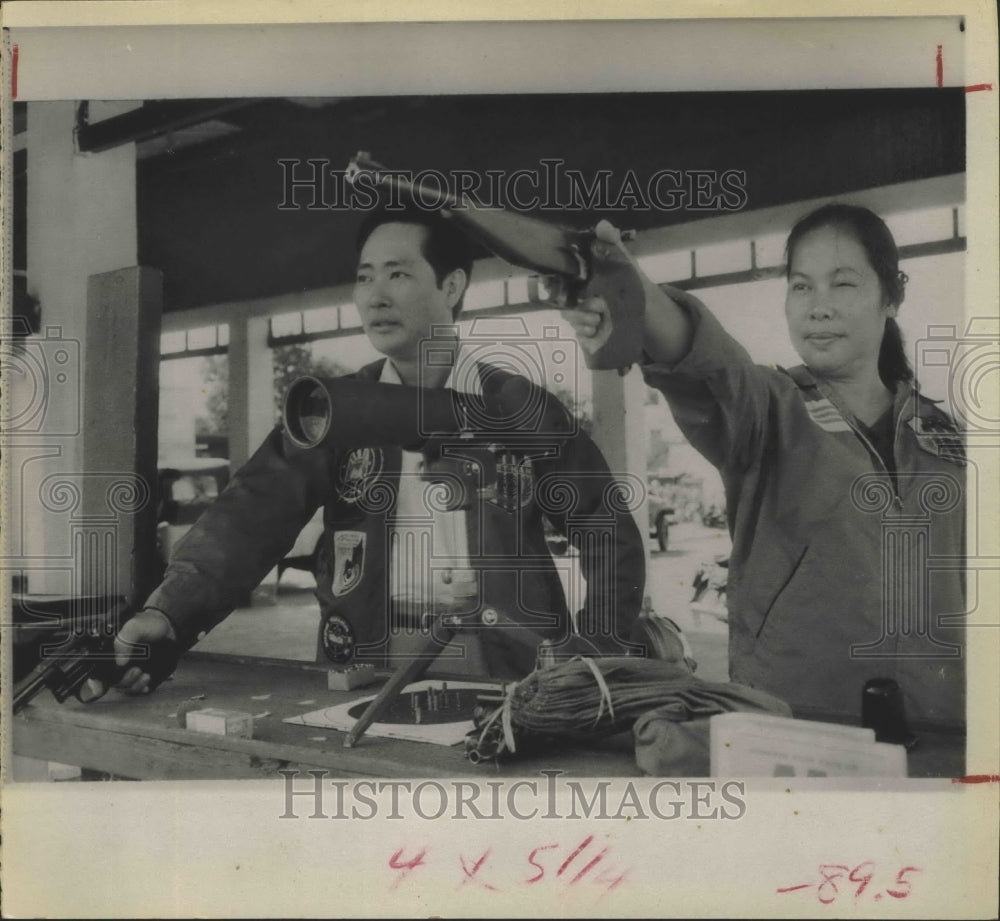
{"points": [[758, 745], [339, 717]]}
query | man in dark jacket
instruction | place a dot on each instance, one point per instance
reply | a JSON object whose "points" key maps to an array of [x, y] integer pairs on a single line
{"points": [[388, 554]]}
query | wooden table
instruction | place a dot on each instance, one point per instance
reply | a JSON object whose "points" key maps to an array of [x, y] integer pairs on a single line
{"points": [[143, 738]]}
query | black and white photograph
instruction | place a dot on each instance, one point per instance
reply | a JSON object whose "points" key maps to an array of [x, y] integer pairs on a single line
{"points": [[492, 468]]}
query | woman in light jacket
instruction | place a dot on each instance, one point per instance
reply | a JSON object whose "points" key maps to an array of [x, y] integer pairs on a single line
{"points": [[842, 481]]}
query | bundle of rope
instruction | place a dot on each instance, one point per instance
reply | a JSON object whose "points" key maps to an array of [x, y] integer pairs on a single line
{"points": [[585, 698]]}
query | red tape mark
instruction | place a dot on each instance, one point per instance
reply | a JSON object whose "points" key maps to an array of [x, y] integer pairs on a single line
{"points": [[13, 72], [978, 87], [939, 63], [977, 778]]}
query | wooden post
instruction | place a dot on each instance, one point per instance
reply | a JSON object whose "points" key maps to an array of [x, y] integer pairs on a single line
{"points": [[115, 530]]}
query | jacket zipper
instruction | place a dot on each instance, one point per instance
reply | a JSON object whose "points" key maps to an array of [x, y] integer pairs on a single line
{"points": [[850, 420], [896, 499]]}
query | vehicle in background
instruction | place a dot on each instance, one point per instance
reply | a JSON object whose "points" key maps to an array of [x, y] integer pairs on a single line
{"points": [[710, 585], [186, 486], [662, 516], [189, 485], [714, 516]]}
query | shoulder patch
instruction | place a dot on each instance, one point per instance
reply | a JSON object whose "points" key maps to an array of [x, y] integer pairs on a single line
{"points": [[826, 415], [938, 434], [819, 408]]}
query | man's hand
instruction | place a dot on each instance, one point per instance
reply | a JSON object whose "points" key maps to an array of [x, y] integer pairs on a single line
{"points": [[147, 629]]}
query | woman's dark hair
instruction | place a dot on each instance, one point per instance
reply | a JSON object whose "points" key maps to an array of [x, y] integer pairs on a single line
{"points": [[445, 247], [876, 239]]}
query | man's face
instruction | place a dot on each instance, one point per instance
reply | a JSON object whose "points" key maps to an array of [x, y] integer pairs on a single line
{"points": [[397, 293]]}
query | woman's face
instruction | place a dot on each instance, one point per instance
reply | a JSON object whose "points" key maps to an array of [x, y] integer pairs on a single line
{"points": [[835, 306]]}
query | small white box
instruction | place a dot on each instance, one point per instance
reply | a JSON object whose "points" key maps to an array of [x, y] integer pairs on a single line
{"points": [[354, 676], [221, 722]]}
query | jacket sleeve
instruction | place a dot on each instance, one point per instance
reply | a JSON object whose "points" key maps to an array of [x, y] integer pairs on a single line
{"points": [[242, 535], [718, 396], [581, 498]]}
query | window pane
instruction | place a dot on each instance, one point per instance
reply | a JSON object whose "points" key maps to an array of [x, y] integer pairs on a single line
{"points": [[770, 250], [286, 324], [349, 317], [484, 294], [173, 342], [517, 290], [663, 267], [320, 320], [723, 257], [204, 337], [193, 417], [920, 226]]}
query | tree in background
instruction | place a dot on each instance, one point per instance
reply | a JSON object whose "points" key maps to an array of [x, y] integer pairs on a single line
{"points": [[215, 381], [292, 362], [289, 362]]}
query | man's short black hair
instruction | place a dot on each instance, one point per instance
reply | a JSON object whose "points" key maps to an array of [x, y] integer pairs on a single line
{"points": [[445, 247]]}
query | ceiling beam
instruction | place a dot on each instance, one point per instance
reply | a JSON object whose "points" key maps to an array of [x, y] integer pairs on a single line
{"points": [[151, 120], [940, 191]]}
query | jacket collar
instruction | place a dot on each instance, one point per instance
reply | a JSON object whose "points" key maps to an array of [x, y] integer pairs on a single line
{"points": [[383, 370], [907, 400]]}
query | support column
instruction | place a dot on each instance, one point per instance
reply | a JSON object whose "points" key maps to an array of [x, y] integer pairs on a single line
{"points": [[251, 387], [620, 433], [81, 220], [120, 426], [251, 409]]}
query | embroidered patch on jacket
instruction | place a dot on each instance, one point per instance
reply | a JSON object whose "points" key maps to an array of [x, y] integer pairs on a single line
{"points": [[515, 481], [357, 472], [937, 434], [348, 560], [826, 415], [337, 639]]}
